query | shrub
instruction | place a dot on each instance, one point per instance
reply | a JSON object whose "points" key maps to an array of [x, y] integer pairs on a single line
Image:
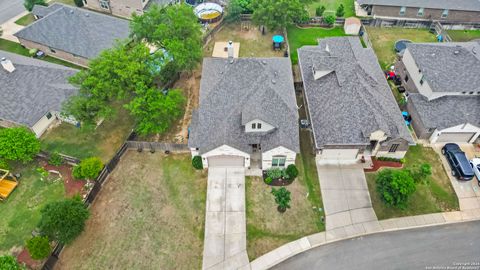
{"points": [[63, 220], [78, 3], [319, 11], [28, 4], [395, 186], [340, 11], [268, 180], [88, 168], [43, 173], [275, 173], [18, 144], [9, 263], [55, 159], [330, 19], [197, 162], [421, 173], [282, 198], [39, 247], [291, 171], [4, 164]]}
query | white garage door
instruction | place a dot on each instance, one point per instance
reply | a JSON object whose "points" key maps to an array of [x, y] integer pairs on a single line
{"points": [[339, 154], [226, 161], [455, 137]]}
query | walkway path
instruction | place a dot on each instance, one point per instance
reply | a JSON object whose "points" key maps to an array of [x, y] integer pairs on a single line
{"points": [[225, 224], [10, 27]]}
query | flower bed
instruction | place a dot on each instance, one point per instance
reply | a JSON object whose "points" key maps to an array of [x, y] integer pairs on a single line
{"points": [[280, 177], [377, 164]]}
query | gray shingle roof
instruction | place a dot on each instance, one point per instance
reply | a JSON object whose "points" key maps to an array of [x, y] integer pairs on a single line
{"points": [[354, 100], [77, 31], [447, 111], [42, 11], [33, 89], [467, 5], [448, 67], [248, 89]]}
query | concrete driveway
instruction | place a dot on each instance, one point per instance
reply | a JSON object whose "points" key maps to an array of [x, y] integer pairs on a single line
{"points": [[346, 199], [468, 192], [225, 223]]}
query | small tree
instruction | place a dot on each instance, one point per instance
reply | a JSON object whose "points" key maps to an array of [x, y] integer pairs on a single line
{"points": [[277, 14], [38, 247], [234, 10], [88, 168], [63, 220], [18, 144], [330, 19], [8, 262], [340, 11], [395, 186], [78, 3], [319, 11], [292, 171], [55, 159], [197, 162], [282, 198], [421, 173], [28, 4]]}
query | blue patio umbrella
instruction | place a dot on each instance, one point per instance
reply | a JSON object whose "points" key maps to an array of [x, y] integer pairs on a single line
{"points": [[278, 39]]}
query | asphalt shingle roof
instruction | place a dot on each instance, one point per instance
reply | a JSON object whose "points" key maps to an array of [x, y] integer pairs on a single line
{"points": [[77, 31], [447, 111], [232, 94], [354, 100], [33, 89], [467, 5], [42, 11], [448, 67]]}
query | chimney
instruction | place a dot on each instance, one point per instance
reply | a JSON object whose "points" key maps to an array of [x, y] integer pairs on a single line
{"points": [[230, 51], [7, 65]]}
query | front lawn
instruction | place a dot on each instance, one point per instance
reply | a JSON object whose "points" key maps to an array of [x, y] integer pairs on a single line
{"points": [[81, 143], [298, 37], [331, 7], [20, 213], [383, 40], [149, 215], [463, 35], [436, 196], [25, 20]]}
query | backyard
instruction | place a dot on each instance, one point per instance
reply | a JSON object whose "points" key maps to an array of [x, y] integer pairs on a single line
{"points": [[149, 214], [331, 7], [298, 37], [81, 143], [435, 196], [464, 35]]}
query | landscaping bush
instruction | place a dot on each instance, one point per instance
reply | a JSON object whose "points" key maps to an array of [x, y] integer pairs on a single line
{"points": [[330, 19], [197, 162], [340, 11], [18, 144], [402, 160], [282, 198], [64, 220], [395, 186], [291, 171], [4, 164], [268, 180], [55, 159], [421, 173], [9, 263], [319, 11], [275, 173], [28, 4], [39, 247], [78, 3], [88, 168]]}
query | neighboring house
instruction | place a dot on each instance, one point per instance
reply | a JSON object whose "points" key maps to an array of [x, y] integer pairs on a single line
{"points": [[73, 34], [443, 83], [352, 111], [441, 10], [125, 8], [247, 114], [32, 92]]}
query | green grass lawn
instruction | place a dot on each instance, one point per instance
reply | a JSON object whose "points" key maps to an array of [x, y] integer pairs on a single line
{"points": [[436, 196], [298, 37], [13, 47], [81, 143], [25, 20], [383, 40], [20, 213], [463, 35], [331, 6]]}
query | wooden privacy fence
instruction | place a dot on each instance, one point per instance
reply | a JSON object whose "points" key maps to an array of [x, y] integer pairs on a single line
{"points": [[158, 146]]}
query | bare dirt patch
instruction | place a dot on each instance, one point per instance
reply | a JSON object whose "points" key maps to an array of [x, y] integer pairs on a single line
{"points": [[149, 215]]}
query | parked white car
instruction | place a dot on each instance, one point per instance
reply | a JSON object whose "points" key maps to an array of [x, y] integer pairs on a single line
{"points": [[476, 168]]}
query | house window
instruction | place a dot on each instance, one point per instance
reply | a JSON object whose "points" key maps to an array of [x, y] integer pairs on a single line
{"points": [[402, 11], [254, 125], [406, 78], [52, 50], [49, 115], [278, 161], [259, 125], [104, 4], [420, 12], [445, 13], [393, 148]]}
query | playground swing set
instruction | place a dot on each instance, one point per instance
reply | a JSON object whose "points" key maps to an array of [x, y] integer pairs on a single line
{"points": [[8, 182]]}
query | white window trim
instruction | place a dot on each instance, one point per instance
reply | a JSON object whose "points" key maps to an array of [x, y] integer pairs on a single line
{"points": [[403, 10], [278, 159], [444, 13], [422, 13]]}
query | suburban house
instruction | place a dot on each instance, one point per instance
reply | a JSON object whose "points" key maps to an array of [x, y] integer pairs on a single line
{"points": [[32, 92], [443, 85], [125, 8], [73, 34], [351, 109], [441, 10], [247, 114]]}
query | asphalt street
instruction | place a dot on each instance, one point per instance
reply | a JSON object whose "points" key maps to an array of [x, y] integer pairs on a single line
{"points": [[10, 9], [454, 246]]}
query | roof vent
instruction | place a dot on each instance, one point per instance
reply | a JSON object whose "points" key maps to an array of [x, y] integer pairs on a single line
{"points": [[275, 73], [7, 65], [273, 81], [264, 62], [456, 52], [87, 15], [71, 11]]}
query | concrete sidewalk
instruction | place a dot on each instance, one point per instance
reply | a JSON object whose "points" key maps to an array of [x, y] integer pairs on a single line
{"points": [[10, 27], [225, 240]]}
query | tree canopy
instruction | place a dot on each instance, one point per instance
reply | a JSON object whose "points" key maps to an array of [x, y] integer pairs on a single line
{"points": [[277, 14], [18, 143], [28, 4], [395, 186]]}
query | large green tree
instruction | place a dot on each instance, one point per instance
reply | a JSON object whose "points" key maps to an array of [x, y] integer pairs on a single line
{"points": [[277, 14], [18, 144], [395, 186], [174, 28], [28, 4]]}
